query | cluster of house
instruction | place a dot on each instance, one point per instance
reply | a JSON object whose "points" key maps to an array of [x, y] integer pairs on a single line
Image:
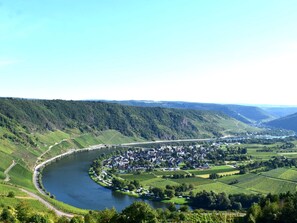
{"points": [[167, 157]]}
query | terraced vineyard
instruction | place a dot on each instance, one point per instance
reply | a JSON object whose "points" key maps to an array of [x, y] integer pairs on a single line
{"points": [[283, 173], [279, 180]]}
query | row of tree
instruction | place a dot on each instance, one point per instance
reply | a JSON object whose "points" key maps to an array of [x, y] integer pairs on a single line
{"points": [[222, 201], [135, 213], [274, 163]]}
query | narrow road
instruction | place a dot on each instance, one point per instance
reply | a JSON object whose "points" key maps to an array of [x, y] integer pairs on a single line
{"points": [[49, 149], [7, 178], [47, 204]]}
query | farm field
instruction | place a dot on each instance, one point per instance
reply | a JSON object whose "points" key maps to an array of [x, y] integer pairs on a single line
{"points": [[278, 180], [226, 173], [219, 187], [282, 173]]}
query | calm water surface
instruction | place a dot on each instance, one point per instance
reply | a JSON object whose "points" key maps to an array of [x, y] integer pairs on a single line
{"points": [[69, 181]]}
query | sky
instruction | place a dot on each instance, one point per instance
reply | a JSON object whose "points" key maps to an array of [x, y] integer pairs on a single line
{"points": [[215, 51]]}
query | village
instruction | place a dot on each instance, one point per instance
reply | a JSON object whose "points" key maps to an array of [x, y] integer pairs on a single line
{"points": [[165, 157], [172, 161]]}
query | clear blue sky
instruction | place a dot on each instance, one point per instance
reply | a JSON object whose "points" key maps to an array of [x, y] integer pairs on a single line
{"points": [[220, 51]]}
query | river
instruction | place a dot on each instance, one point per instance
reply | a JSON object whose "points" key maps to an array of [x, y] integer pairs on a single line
{"points": [[69, 181]]}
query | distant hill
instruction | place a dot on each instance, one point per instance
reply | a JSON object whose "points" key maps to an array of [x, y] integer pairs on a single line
{"points": [[246, 114], [288, 122], [279, 112]]}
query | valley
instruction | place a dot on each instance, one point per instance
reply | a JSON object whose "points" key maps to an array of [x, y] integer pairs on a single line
{"points": [[34, 131]]}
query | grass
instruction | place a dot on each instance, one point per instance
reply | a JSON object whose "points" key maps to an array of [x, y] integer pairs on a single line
{"points": [[140, 177], [240, 178], [20, 197], [196, 181], [177, 200], [159, 182], [206, 176], [50, 138], [263, 184], [6, 188], [31, 203], [86, 140], [6, 160], [282, 173], [65, 207], [21, 176], [162, 173], [215, 169], [115, 137], [220, 187]]}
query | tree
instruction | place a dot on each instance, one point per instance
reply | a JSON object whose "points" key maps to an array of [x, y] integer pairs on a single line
{"points": [[169, 193], [131, 187], [37, 218], [63, 219], [138, 212], [184, 208], [77, 219], [253, 213], [223, 202], [172, 207], [8, 215], [11, 194], [107, 215], [158, 192], [23, 211], [214, 176], [116, 183]]}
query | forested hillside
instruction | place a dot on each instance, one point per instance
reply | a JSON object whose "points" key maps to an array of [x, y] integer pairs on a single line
{"points": [[28, 128], [147, 123]]}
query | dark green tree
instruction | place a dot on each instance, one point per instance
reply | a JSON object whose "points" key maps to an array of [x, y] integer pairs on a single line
{"points": [[138, 212]]}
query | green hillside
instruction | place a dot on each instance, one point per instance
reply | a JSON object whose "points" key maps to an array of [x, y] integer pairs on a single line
{"points": [[35, 130]]}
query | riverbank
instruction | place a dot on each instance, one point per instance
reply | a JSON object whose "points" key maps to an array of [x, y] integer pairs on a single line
{"points": [[37, 173]]}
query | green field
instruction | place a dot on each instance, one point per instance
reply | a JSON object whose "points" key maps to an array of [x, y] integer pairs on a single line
{"points": [[282, 173], [274, 181], [140, 177], [220, 187], [165, 173], [196, 181], [159, 182], [278, 180], [214, 169], [21, 176], [21, 197]]}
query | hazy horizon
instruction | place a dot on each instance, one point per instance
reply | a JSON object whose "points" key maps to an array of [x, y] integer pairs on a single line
{"points": [[156, 101]]}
